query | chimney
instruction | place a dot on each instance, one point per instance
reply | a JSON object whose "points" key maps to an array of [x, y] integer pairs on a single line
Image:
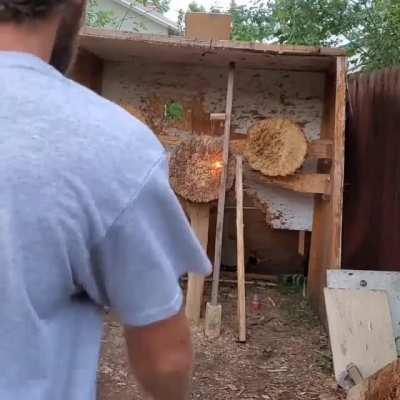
{"points": [[208, 26]]}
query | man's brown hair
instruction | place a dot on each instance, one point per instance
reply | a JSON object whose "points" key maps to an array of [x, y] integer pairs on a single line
{"points": [[26, 10]]}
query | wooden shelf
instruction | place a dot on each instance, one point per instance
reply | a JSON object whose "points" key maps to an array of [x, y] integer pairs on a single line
{"points": [[303, 183]]}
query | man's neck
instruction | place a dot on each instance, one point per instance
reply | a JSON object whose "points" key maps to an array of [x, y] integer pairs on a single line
{"points": [[35, 39]]}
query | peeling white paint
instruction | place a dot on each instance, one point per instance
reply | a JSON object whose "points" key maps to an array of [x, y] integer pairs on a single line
{"points": [[258, 94]]}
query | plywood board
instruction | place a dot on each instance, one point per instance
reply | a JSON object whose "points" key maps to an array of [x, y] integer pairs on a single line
{"points": [[123, 46], [360, 330], [208, 26], [372, 280]]}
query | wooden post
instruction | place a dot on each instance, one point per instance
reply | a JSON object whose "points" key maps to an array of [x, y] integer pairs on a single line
{"points": [[240, 250], [222, 190], [302, 243], [199, 215], [213, 310], [326, 240]]}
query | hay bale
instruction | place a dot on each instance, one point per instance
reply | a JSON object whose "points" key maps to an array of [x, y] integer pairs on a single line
{"points": [[195, 169], [276, 147]]}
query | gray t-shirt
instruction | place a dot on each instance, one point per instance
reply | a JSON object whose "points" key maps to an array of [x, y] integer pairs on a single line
{"points": [[87, 220]]}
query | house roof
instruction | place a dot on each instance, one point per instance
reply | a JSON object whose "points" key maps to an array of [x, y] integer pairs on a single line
{"points": [[150, 14], [125, 46]]}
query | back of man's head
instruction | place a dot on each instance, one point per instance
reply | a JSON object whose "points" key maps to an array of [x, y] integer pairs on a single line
{"points": [[62, 17], [27, 10]]}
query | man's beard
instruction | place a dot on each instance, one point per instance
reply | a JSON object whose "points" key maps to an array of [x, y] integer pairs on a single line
{"points": [[66, 43]]}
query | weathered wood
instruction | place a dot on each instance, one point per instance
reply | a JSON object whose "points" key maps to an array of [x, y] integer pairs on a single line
{"points": [[223, 44], [88, 71], [303, 183], [354, 373], [199, 215], [320, 149], [326, 240], [360, 330], [240, 250], [383, 385], [372, 280], [302, 243], [222, 192], [217, 117], [122, 46]]}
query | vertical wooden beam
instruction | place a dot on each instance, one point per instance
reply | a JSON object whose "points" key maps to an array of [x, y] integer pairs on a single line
{"points": [[88, 71], [326, 240], [302, 243], [222, 190], [199, 215], [240, 250]]}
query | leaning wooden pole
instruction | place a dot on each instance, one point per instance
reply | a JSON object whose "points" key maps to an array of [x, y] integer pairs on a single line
{"points": [[240, 250], [214, 310]]}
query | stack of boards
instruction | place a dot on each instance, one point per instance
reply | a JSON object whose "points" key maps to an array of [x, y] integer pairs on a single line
{"points": [[364, 326]]}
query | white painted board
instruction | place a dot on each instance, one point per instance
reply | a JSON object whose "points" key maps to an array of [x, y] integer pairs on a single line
{"points": [[259, 94], [375, 280], [360, 330]]}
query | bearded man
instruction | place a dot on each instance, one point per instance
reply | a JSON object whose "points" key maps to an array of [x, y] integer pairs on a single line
{"points": [[88, 221]]}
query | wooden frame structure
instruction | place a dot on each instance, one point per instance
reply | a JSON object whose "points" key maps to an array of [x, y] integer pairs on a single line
{"points": [[326, 184]]}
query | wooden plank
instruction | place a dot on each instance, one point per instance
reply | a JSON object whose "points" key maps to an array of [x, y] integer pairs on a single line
{"points": [[217, 117], [383, 385], [222, 44], [123, 46], [222, 190], [372, 280], [320, 149], [360, 329], [240, 250], [88, 71], [302, 243], [326, 240], [303, 183], [199, 215]]}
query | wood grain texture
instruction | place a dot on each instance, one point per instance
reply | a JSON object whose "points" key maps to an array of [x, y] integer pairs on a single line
{"points": [[326, 241], [88, 71], [373, 172], [123, 46], [240, 250], [320, 149], [199, 215], [360, 330], [383, 385], [222, 192], [302, 183]]}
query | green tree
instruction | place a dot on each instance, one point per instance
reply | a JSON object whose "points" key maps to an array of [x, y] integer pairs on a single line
{"points": [[195, 7], [369, 29], [374, 39], [98, 18]]}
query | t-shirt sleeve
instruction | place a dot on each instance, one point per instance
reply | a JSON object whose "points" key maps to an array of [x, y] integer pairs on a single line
{"points": [[150, 245]]}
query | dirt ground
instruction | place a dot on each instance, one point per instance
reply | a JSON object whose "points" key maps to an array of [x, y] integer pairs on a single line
{"points": [[286, 357]]}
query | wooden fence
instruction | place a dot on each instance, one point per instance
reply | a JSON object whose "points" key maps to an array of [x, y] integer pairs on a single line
{"points": [[371, 218]]}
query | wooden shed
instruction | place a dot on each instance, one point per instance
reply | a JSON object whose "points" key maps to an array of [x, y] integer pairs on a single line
{"points": [[149, 74]]}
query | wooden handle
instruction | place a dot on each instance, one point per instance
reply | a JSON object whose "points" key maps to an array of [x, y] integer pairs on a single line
{"points": [[222, 189]]}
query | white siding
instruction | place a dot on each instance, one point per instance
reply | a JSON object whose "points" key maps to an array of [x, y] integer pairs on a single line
{"points": [[131, 21]]}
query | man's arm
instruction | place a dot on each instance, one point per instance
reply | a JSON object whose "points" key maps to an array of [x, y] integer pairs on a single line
{"points": [[161, 357]]}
